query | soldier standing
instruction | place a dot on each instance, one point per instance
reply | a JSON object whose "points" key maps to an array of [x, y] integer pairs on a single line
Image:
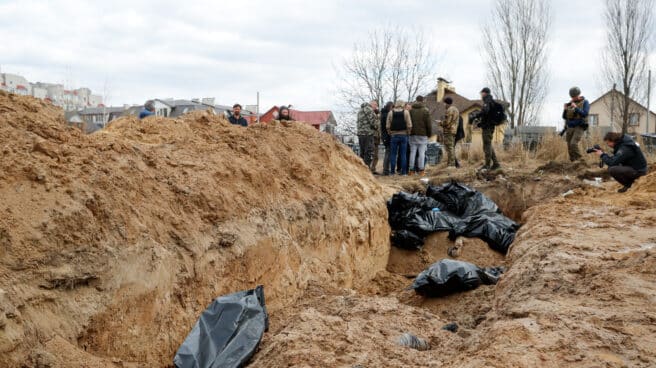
{"points": [[367, 130], [449, 127], [488, 126]]}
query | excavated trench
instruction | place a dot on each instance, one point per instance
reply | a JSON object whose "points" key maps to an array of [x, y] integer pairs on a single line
{"points": [[513, 196]]}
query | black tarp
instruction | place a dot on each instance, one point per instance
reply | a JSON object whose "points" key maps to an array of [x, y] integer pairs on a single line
{"points": [[227, 333], [451, 207], [448, 276]]}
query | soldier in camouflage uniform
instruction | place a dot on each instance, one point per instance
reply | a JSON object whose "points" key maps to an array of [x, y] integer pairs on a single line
{"points": [[367, 131], [450, 127]]}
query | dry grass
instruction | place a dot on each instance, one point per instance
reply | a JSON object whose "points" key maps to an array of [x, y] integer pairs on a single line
{"points": [[550, 148]]}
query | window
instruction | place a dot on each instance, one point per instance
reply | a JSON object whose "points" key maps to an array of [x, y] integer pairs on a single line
{"points": [[594, 120], [634, 119]]}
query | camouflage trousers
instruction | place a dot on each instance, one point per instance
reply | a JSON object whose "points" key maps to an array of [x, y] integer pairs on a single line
{"points": [[573, 137], [450, 147], [490, 156]]}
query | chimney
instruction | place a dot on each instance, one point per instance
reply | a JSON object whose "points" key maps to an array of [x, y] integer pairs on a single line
{"points": [[442, 86]]}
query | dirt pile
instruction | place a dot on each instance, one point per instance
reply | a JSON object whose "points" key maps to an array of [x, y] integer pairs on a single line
{"points": [[113, 243]]}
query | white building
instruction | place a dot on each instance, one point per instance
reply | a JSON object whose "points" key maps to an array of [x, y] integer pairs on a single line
{"points": [[14, 83], [67, 99]]}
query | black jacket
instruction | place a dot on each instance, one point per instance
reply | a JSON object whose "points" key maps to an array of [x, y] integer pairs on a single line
{"points": [[241, 121], [486, 112], [626, 153], [384, 134]]}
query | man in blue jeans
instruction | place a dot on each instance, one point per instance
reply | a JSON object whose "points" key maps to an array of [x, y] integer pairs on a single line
{"points": [[399, 126]]}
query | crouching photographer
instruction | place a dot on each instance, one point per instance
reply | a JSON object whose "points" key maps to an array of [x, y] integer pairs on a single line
{"points": [[627, 162]]}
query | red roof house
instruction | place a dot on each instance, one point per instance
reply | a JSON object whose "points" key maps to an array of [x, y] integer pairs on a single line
{"points": [[318, 119]]}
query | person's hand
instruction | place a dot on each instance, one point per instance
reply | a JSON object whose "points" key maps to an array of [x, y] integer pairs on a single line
{"points": [[599, 152]]}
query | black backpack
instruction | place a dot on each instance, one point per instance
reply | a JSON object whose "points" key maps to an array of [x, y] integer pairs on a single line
{"points": [[398, 121], [497, 113], [460, 132]]}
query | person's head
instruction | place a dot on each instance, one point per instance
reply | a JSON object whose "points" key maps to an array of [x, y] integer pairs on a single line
{"points": [[150, 105], [236, 110], [283, 114], [448, 100], [613, 138], [408, 106], [399, 104], [388, 106], [374, 105], [485, 92], [420, 99], [574, 92]]}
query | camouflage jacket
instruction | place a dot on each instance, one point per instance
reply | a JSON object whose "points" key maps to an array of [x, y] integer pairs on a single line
{"points": [[450, 122], [367, 121]]}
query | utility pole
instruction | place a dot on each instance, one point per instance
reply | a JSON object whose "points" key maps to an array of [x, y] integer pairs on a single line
{"points": [[257, 108], [612, 107], [648, 99]]}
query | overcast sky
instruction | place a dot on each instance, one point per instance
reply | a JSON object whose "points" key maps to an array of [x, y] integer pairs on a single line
{"points": [[286, 49]]}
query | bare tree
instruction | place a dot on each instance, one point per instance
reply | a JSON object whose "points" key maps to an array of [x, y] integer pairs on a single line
{"points": [[629, 32], [391, 63], [514, 44]]}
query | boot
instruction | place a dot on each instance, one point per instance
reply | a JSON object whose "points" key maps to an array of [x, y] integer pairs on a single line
{"points": [[496, 166], [411, 173], [623, 189]]}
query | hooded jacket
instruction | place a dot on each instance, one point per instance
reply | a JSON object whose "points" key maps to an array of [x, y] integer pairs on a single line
{"points": [[420, 116], [626, 153]]}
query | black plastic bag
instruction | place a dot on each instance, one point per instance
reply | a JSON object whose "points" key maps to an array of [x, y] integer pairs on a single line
{"points": [[407, 240], [227, 333], [455, 208], [449, 276]]}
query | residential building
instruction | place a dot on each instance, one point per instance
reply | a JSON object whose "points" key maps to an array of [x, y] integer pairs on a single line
{"points": [[100, 115], [437, 109], [55, 93], [600, 114], [14, 83]]}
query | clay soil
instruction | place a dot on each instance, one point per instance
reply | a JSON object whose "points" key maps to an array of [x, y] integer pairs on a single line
{"points": [[113, 243]]}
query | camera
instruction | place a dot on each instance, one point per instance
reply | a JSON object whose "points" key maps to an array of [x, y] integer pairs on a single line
{"points": [[593, 149]]}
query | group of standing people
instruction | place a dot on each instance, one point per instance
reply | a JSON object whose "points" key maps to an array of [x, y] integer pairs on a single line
{"points": [[402, 128]]}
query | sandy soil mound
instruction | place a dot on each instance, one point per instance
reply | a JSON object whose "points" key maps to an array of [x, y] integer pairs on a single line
{"points": [[113, 243]]}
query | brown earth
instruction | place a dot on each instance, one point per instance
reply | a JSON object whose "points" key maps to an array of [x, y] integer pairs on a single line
{"points": [[113, 243], [579, 292]]}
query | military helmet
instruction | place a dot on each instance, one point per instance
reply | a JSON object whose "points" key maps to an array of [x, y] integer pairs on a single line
{"points": [[574, 92]]}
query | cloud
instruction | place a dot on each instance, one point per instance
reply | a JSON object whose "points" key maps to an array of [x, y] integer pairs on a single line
{"points": [[286, 49]]}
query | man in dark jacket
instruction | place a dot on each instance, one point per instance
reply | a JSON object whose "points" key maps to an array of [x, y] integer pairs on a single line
{"points": [[627, 162], [384, 135], [421, 131], [236, 118], [488, 125], [575, 113]]}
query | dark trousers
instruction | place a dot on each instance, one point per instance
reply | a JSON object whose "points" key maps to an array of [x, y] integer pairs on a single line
{"points": [[624, 175], [386, 161], [490, 155], [366, 143], [399, 148]]}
